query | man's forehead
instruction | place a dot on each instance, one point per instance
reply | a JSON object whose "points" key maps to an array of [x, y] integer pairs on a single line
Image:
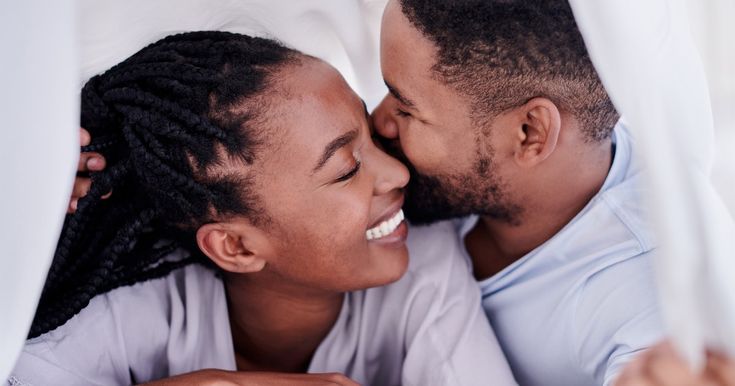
{"points": [[405, 52], [394, 22]]}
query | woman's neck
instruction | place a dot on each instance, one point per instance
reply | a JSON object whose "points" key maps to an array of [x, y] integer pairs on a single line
{"points": [[277, 328]]}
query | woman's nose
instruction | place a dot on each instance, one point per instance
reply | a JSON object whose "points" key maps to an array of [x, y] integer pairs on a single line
{"points": [[390, 173], [384, 120]]}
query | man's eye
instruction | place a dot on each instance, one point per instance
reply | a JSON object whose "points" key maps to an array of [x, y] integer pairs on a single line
{"points": [[350, 174], [402, 113]]}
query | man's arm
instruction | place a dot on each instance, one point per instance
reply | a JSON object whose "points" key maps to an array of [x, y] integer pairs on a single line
{"points": [[213, 377]]}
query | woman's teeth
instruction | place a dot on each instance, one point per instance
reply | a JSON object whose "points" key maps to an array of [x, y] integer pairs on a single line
{"points": [[386, 227]]}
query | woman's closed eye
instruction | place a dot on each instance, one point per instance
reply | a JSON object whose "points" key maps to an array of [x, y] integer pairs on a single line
{"points": [[351, 173]]}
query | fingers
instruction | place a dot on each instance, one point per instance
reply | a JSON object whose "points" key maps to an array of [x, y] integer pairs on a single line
{"points": [[662, 366], [72, 206], [322, 379], [665, 367], [84, 137], [91, 162], [659, 366], [634, 381], [80, 189], [276, 379], [340, 380], [634, 373], [88, 162], [720, 369]]}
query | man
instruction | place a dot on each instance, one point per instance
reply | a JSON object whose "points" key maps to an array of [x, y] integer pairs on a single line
{"points": [[502, 119]]}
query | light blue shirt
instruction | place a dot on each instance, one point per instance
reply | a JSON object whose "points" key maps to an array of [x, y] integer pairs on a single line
{"points": [[573, 311]]}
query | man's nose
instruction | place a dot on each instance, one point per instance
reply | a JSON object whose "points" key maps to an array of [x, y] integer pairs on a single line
{"points": [[384, 120]]}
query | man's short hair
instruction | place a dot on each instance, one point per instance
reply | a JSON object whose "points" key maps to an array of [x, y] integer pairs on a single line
{"points": [[502, 53]]}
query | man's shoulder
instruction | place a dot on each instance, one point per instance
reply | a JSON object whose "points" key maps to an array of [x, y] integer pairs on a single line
{"points": [[625, 195], [615, 226], [627, 201], [610, 264], [617, 288]]}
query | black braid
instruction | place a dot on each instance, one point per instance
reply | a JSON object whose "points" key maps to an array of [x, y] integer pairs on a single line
{"points": [[161, 119]]}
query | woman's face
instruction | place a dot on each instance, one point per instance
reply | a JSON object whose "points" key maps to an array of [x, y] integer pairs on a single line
{"points": [[333, 197]]}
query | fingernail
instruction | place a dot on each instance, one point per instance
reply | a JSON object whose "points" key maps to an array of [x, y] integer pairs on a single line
{"points": [[94, 163], [74, 205]]}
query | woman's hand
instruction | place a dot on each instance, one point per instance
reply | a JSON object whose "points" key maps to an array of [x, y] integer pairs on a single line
{"points": [[212, 377], [88, 162], [661, 366]]}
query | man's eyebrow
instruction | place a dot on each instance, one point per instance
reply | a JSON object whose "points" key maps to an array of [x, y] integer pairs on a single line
{"points": [[398, 95], [332, 147]]}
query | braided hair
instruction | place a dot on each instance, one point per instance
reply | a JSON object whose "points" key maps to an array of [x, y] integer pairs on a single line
{"points": [[164, 119]]}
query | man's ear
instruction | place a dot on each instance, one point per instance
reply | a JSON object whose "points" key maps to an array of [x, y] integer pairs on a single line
{"points": [[538, 131], [238, 248]]}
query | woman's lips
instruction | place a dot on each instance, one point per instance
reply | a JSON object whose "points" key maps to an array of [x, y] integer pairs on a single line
{"points": [[390, 227], [386, 227], [397, 238]]}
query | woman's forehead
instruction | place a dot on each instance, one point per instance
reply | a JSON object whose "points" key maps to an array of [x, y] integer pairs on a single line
{"points": [[313, 107]]}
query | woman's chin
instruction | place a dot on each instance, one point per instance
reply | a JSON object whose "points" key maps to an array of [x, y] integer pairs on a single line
{"points": [[393, 265], [401, 266]]}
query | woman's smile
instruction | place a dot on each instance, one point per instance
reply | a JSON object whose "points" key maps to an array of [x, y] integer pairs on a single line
{"points": [[386, 227], [390, 227]]}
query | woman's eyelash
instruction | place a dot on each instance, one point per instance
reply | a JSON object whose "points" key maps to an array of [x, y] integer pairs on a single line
{"points": [[402, 113], [351, 173]]}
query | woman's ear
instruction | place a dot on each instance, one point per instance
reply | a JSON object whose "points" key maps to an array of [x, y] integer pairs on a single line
{"points": [[538, 131], [238, 248]]}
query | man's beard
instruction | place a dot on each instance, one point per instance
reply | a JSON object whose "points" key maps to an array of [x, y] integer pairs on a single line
{"points": [[431, 198], [435, 198]]}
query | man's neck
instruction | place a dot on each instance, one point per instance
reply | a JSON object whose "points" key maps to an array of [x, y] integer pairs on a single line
{"points": [[276, 328], [494, 244]]}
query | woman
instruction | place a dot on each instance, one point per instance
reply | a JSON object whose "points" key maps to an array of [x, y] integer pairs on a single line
{"points": [[255, 161]]}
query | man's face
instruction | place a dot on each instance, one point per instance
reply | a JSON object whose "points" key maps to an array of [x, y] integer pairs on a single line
{"points": [[454, 162]]}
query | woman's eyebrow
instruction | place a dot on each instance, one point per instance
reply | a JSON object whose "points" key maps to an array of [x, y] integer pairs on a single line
{"points": [[332, 147]]}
